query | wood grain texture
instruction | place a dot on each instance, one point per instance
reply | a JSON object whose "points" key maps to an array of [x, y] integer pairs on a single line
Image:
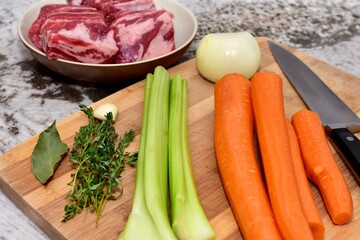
{"points": [[44, 204]]}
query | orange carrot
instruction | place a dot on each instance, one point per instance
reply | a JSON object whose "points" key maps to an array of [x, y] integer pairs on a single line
{"points": [[312, 214], [235, 155], [321, 167], [269, 111]]}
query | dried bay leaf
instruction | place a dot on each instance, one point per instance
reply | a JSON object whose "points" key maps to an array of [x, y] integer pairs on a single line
{"points": [[48, 153]]}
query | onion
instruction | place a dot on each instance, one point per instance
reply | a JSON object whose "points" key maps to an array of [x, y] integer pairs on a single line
{"points": [[222, 53]]}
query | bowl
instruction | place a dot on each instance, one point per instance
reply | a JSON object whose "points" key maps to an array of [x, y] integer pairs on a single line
{"points": [[185, 28]]}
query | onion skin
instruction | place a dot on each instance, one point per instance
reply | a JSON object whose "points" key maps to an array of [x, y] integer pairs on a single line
{"points": [[223, 53]]}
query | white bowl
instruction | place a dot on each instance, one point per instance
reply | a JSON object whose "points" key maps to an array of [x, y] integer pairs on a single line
{"points": [[185, 28]]}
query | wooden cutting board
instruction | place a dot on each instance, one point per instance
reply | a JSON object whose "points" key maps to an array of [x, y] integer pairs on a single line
{"points": [[44, 204]]}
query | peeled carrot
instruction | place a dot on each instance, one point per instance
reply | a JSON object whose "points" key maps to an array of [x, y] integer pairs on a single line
{"points": [[312, 214], [268, 105], [321, 167], [235, 155]]}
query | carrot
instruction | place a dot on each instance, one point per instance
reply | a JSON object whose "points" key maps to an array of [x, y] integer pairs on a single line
{"points": [[312, 214], [321, 167], [235, 155], [268, 106]]}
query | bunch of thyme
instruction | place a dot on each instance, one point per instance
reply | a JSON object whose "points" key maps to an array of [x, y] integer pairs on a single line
{"points": [[99, 163]]}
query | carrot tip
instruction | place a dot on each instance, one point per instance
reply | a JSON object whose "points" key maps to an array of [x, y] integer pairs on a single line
{"points": [[342, 218]]}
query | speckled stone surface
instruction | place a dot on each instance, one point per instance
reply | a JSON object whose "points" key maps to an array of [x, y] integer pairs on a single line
{"points": [[31, 96]]}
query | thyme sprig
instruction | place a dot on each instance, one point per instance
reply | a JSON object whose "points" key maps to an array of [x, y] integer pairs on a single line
{"points": [[99, 163]]}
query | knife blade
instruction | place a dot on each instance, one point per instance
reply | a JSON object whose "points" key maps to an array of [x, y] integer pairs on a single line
{"points": [[339, 121]]}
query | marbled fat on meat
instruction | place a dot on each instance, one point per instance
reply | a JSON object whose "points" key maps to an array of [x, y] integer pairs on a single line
{"points": [[34, 31], [114, 6], [75, 33], [79, 44], [75, 2], [110, 6], [143, 35], [103, 31]]}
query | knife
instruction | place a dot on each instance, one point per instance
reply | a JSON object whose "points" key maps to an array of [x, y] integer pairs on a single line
{"points": [[339, 121]]}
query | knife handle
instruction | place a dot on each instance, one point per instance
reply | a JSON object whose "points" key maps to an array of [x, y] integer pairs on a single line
{"points": [[348, 147]]}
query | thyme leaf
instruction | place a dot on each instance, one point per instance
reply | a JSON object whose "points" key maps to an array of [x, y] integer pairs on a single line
{"points": [[99, 163]]}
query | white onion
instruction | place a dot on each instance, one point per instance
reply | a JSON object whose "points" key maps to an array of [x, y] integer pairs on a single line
{"points": [[222, 53]]}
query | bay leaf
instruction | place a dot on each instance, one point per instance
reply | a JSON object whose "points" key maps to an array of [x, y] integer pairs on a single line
{"points": [[48, 153]]}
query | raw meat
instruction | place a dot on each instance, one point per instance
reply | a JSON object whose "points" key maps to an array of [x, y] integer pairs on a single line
{"points": [[103, 31], [81, 45], [110, 6], [75, 2], [142, 35], [34, 31], [113, 6], [75, 33]]}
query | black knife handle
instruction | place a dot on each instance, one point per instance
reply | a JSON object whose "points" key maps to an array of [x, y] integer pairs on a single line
{"points": [[348, 147]]}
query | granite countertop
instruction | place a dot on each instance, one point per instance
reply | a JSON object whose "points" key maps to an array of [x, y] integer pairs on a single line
{"points": [[31, 96]]}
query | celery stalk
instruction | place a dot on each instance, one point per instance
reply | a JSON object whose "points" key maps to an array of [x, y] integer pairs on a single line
{"points": [[149, 216], [188, 218], [156, 152]]}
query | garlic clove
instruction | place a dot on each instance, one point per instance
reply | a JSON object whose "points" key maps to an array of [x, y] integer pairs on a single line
{"points": [[101, 111]]}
